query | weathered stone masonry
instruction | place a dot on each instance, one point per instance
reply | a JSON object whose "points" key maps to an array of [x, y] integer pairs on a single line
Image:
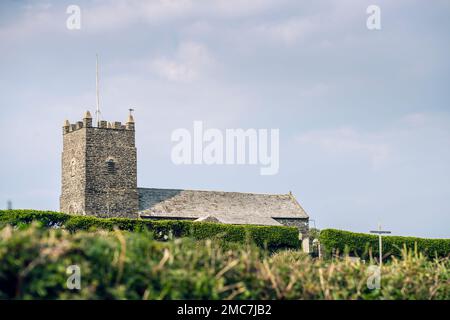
{"points": [[301, 224], [99, 169], [99, 178]]}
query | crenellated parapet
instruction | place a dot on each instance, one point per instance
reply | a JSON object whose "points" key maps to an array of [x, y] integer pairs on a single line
{"points": [[99, 165], [102, 124]]}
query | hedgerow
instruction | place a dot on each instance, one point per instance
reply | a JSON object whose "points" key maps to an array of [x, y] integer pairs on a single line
{"points": [[362, 245], [131, 265], [272, 237]]}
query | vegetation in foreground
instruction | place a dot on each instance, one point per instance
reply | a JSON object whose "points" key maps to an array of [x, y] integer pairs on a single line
{"points": [[271, 237], [364, 245], [132, 265]]}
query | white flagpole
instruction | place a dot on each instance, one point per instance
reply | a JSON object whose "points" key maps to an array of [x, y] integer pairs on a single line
{"points": [[97, 112]]}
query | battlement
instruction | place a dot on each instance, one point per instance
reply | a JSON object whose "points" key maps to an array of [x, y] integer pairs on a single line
{"points": [[103, 125], [99, 166]]}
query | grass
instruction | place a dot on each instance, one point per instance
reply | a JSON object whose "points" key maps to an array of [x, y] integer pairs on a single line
{"points": [[132, 265]]}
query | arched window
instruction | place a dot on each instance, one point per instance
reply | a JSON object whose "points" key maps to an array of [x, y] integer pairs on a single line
{"points": [[111, 166]]}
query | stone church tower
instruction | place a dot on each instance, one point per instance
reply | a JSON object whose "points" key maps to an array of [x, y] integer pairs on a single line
{"points": [[99, 169], [99, 172]]}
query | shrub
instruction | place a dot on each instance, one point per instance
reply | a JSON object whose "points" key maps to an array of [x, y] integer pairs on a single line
{"points": [[132, 265], [272, 237], [361, 244]]}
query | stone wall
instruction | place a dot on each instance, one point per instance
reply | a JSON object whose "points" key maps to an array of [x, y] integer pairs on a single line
{"points": [[73, 179], [302, 224], [90, 185], [111, 194]]}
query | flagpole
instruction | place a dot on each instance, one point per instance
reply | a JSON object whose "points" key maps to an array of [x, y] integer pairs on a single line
{"points": [[97, 112]]}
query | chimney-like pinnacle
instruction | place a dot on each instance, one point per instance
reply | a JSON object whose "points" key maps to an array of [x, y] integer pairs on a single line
{"points": [[66, 126], [130, 122], [87, 119], [87, 115]]}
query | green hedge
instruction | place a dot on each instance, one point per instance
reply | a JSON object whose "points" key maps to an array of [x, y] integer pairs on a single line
{"points": [[132, 265], [272, 237], [361, 244]]}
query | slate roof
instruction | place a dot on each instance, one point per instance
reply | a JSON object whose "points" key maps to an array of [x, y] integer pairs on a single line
{"points": [[227, 207]]}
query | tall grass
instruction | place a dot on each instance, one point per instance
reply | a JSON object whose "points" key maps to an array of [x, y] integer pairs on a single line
{"points": [[123, 265]]}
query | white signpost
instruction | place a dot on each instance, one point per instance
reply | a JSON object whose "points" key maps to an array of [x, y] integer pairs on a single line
{"points": [[380, 232]]}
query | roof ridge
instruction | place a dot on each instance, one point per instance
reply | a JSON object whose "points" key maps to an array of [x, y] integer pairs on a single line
{"points": [[199, 190]]}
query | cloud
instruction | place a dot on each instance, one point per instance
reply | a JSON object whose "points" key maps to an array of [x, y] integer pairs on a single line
{"points": [[415, 119], [348, 142], [366, 112], [240, 8], [110, 15], [38, 6], [120, 13], [414, 137], [189, 63], [34, 20], [289, 31]]}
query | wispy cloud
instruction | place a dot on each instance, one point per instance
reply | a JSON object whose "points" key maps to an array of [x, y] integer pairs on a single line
{"points": [[368, 110], [189, 63], [103, 16], [395, 144], [348, 142], [289, 31], [34, 19], [111, 15], [120, 13]]}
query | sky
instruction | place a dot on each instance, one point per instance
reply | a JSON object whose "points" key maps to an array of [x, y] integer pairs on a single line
{"points": [[363, 115]]}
